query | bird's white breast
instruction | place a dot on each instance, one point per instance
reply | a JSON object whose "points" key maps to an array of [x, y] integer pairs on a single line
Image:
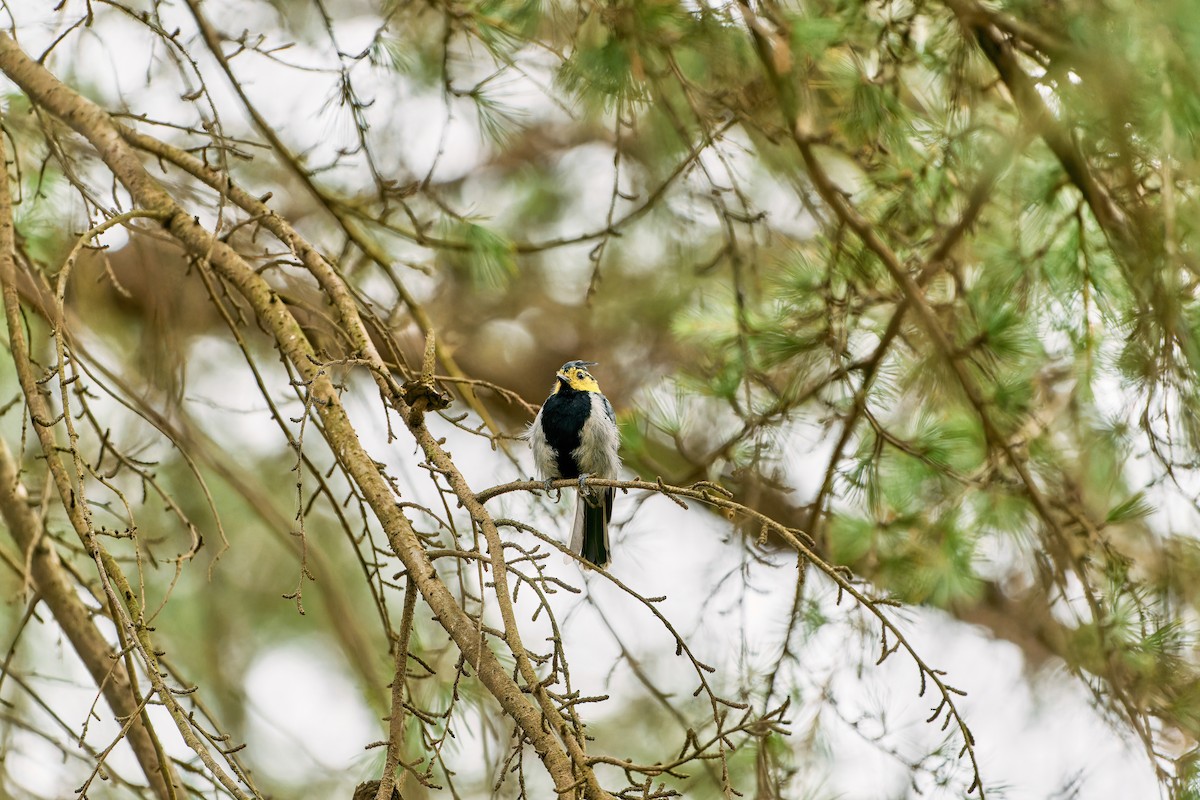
{"points": [[599, 442], [545, 458]]}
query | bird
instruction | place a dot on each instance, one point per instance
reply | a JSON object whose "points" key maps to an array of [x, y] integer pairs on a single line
{"points": [[575, 436]]}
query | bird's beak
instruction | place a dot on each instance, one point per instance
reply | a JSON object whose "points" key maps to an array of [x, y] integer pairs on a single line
{"points": [[562, 376]]}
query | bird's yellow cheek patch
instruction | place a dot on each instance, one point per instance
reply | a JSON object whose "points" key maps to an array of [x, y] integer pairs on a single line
{"points": [[578, 380], [585, 384]]}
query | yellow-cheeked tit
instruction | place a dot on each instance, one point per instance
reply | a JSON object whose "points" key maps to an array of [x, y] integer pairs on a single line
{"points": [[575, 436]]}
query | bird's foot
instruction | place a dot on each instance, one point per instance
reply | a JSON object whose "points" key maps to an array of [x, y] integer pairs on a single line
{"points": [[583, 483]]}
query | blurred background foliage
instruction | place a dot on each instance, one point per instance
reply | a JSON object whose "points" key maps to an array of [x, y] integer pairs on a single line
{"points": [[917, 278]]}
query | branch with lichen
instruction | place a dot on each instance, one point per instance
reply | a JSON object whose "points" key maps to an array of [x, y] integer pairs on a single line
{"points": [[561, 752]]}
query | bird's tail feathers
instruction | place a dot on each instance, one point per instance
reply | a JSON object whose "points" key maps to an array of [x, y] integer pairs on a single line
{"points": [[589, 534]]}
